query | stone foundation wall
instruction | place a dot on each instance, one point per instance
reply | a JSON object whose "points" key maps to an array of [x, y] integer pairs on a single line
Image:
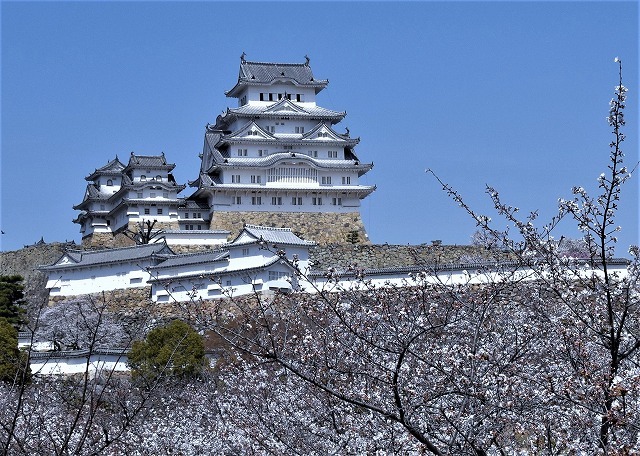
{"points": [[117, 239], [376, 256], [323, 228]]}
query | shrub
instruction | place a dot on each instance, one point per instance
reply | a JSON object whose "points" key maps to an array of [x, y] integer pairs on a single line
{"points": [[174, 350]]}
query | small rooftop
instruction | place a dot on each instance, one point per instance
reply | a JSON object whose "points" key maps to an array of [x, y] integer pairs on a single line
{"points": [[271, 235], [259, 73], [83, 258]]}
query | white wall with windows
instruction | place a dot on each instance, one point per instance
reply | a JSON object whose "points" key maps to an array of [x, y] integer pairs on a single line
{"points": [[103, 277]]}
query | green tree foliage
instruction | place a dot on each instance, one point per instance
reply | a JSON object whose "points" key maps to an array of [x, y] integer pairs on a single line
{"points": [[11, 297], [12, 360], [173, 350]]}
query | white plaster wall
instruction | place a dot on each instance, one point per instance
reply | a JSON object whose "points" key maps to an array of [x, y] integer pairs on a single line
{"points": [[448, 278], [81, 281], [226, 284], [195, 237], [61, 363], [253, 93]]}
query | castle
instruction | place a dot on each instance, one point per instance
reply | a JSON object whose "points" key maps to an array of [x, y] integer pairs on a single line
{"points": [[274, 160]]}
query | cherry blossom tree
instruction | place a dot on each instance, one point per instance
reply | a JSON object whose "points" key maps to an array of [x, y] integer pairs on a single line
{"points": [[540, 363]]}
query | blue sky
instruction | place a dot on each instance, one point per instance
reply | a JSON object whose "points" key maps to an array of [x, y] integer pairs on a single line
{"points": [[511, 94]]}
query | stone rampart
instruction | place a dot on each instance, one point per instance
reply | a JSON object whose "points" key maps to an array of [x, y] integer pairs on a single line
{"points": [[118, 239], [323, 228], [377, 256]]}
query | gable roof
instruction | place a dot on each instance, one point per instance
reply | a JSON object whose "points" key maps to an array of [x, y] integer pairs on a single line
{"points": [[264, 73], [148, 161], [208, 256], [256, 233], [301, 112], [113, 168], [85, 258]]}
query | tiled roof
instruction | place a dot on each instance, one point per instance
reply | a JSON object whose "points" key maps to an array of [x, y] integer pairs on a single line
{"points": [[148, 161], [271, 159], [223, 271], [208, 256], [91, 194], [272, 235], [82, 258], [442, 268], [267, 73], [114, 167], [265, 111], [196, 232], [355, 190], [193, 204]]}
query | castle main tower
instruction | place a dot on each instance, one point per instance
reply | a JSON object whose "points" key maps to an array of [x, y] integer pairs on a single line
{"points": [[277, 160]]}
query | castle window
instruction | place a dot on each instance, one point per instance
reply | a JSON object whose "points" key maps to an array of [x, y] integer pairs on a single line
{"points": [[296, 201], [346, 180], [228, 283], [245, 252], [337, 201], [186, 215], [242, 152], [199, 227], [276, 200], [256, 179], [109, 183], [238, 200], [256, 200], [298, 97], [139, 194], [326, 180], [332, 154], [272, 129], [159, 210], [235, 179], [279, 96], [313, 153], [270, 97], [165, 194], [261, 96], [316, 201], [152, 194], [276, 275], [288, 147], [299, 129], [146, 211], [102, 207], [259, 152]]}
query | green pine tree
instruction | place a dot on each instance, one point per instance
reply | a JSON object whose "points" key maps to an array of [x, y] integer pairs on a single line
{"points": [[174, 350], [14, 364], [11, 299]]}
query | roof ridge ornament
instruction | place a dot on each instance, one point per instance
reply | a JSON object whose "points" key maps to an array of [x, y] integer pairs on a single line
{"points": [[242, 57], [307, 60]]}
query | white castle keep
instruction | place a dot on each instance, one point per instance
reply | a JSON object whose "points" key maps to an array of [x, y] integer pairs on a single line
{"points": [[274, 160]]}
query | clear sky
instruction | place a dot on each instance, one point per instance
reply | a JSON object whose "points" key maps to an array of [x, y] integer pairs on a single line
{"points": [[512, 94]]}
